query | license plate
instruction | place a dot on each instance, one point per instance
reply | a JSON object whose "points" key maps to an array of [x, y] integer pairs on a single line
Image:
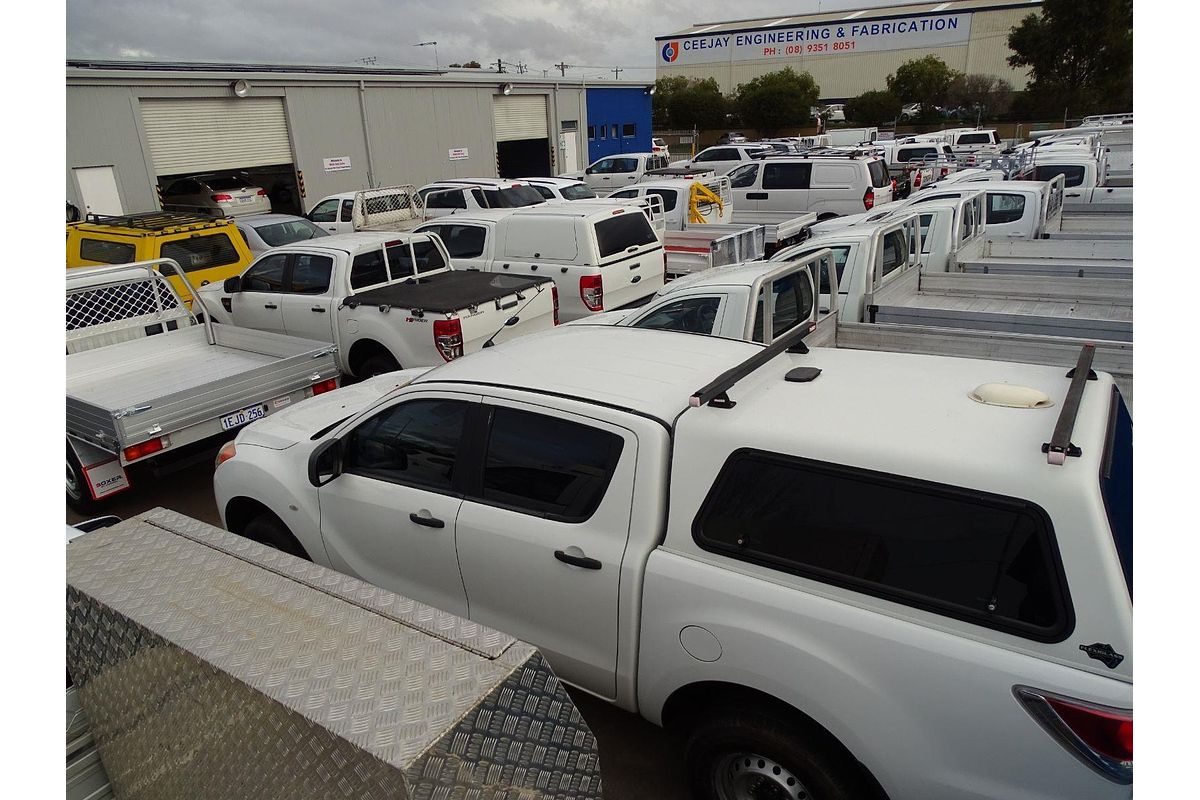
{"points": [[245, 199], [247, 415]]}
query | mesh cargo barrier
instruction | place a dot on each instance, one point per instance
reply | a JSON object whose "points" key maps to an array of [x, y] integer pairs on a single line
{"points": [[212, 667]]}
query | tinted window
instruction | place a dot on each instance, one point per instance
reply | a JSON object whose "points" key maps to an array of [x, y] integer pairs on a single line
{"points": [[547, 466], [296, 230], [1003, 208], [925, 220], [840, 255], [603, 166], [879, 174], [201, 252], [591, 131], [462, 241], [624, 165], [513, 197], [324, 212], [668, 197], [578, 191], [975, 138], [719, 154], [983, 558], [445, 198], [793, 302], [692, 315], [544, 192], [895, 252], [266, 275], [743, 176], [348, 210], [629, 130], [915, 154], [428, 258], [413, 443], [786, 176], [368, 270], [1116, 483], [310, 274], [225, 184], [105, 252], [1072, 173], [619, 233]]}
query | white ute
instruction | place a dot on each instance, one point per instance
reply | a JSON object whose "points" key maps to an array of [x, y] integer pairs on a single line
{"points": [[936, 604]]}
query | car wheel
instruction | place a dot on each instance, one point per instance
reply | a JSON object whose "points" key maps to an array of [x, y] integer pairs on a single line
{"points": [[266, 529], [78, 496], [377, 364], [750, 754]]}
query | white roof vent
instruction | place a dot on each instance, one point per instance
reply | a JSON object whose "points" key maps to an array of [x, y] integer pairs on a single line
{"points": [[1009, 396]]}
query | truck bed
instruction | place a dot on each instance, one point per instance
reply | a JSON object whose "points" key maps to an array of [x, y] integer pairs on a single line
{"points": [[1047, 306], [1098, 225], [445, 292], [782, 226], [702, 246], [1093, 258], [117, 395]]}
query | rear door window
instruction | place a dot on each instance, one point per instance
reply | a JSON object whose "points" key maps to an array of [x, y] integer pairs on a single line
{"points": [[786, 176], [106, 251], [310, 274], [1003, 207], [547, 466], [619, 233], [970, 555], [201, 252]]}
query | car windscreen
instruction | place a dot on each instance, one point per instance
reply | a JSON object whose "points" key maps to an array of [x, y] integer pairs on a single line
{"points": [[579, 191], [619, 233], [294, 230], [879, 174], [227, 183], [513, 197]]}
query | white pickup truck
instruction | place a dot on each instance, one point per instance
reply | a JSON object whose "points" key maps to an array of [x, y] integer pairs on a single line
{"points": [[387, 300], [148, 386], [599, 254], [935, 604], [610, 173], [1086, 177]]}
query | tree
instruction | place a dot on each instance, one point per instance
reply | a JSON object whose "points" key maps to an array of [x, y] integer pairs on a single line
{"points": [[777, 100], [471, 65], [1079, 54], [697, 104], [924, 80], [873, 108], [980, 96], [664, 90]]}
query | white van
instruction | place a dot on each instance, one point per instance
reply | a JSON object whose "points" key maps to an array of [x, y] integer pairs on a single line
{"points": [[829, 184]]}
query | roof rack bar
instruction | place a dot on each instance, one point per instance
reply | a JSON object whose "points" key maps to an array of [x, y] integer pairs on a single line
{"points": [[1060, 447], [714, 392]]}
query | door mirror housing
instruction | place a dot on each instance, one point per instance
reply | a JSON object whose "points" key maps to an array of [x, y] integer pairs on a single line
{"points": [[325, 463], [232, 285], [589, 170]]}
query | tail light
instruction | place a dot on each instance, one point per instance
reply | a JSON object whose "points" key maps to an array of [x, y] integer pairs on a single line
{"points": [[945, 171], [1099, 736], [324, 386], [554, 296], [916, 178], [591, 291], [893, 186], [447, 335], [261, 193], [869, 199], [143, 449], [228, 451], [222, 198]]}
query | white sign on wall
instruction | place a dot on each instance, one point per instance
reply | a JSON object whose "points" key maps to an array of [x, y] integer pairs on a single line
{"points": [[458, 153], [804, 41], [337, 163]]}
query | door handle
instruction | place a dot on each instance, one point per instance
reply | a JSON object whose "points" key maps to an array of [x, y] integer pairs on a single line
{"points": [[426, 519], [636, 278], [270, 305], [756, 195], [577, 561], [318, 310]]}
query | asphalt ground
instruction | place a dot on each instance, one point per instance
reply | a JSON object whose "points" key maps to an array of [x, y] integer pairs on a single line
{"points": [[637, 759]]}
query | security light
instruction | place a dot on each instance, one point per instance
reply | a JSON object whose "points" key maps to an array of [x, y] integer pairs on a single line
{"points": [[506, 88]]}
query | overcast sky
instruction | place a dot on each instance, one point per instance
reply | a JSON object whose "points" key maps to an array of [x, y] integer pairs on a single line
{"points": [[592, 35]]}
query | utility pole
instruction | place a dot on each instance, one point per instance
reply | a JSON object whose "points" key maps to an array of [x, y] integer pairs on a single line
{"points": [[499, 65], [563, 68], [617, 73]]}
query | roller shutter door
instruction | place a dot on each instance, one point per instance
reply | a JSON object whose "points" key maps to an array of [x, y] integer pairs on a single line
{"points": [[520, 117], [209, 134]]}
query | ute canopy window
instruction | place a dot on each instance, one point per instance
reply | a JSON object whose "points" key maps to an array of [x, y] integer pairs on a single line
{"points": [[916, 154], [620, 233], [512, 197], [106, 251], [578, 191], [1072, 173], [201, 252], [547, 466], [983, 558]]}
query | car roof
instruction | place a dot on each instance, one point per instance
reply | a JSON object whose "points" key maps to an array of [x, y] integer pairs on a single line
{"points": [[560, 182], [346, 242], [500, 183]]}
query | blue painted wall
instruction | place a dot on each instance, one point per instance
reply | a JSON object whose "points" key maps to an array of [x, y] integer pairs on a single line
{"points": [[614, 109]]}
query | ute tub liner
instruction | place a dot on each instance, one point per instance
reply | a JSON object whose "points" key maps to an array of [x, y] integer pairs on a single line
{"points": [[213, 667], [445, 292]]}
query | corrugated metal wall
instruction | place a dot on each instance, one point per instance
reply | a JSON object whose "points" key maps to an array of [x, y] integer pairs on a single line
{"points": [[103, 130]]}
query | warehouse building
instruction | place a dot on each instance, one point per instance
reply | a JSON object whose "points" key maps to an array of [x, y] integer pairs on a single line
{"points": [[304, 132], [849, 52]]}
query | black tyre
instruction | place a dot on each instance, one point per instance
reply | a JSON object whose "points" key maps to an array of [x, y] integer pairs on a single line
{"points": [[78, 496], [266, 529], [377, 364], [750, 754]]}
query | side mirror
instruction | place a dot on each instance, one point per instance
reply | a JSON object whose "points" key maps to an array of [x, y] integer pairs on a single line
{"points": [[325, 463], [232, 285], [589, 171]]}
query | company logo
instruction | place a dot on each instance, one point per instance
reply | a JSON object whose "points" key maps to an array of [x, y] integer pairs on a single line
{"points": [[670, 51]]}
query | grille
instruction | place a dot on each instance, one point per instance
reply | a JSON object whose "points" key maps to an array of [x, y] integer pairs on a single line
{"points": [[119, 302]]}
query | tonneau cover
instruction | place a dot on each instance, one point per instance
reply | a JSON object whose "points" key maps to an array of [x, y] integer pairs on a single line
{"points": [[444, 292]]}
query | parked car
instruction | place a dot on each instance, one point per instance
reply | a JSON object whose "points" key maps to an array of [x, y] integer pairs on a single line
{"points": [[472, 194], [910, 111], [829, 185], [732, 137], [264, 231], [613, 172], [722, 158], [659, 147], [561, 188], [232, 195], [836, 112], [922, 605]]}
